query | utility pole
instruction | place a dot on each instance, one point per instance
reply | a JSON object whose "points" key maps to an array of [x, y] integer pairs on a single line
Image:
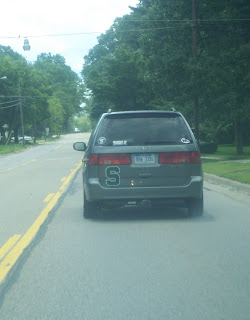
{"points": [[21, 111], [196, 98]]}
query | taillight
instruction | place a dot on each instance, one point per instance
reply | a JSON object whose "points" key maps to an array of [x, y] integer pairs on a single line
{"points": [[114, 158], [195, 157], [109, 159], [92, 159], [179, 157]]}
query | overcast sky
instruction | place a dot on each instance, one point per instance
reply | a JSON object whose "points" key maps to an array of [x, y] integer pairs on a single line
{"points": [[32, 19]]}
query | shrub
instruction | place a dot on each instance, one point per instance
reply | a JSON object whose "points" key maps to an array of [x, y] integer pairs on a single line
{"points": [[208, 147]]}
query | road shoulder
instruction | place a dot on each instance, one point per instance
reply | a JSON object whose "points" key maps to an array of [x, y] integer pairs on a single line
{"points": [[237, 190]]}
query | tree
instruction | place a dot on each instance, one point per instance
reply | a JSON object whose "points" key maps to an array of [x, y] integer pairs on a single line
{"points": [[48, 84], [64, 84], [146, 59]]}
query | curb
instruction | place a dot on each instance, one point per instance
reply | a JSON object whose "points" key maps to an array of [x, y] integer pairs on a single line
{"points": [[229, 184]]}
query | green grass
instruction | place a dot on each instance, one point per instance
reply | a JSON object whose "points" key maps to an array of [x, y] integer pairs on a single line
{"points": [[224, 163], [12, 148], [228, 152], [231, 170]]}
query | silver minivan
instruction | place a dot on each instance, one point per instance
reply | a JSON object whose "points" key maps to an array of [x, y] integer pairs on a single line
{"points": [[141, 158]]}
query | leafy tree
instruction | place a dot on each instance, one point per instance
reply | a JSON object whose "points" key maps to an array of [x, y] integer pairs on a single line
{"points": [[64, 83], [56, 115], [145, 60], [83, 123], [37, 89]]}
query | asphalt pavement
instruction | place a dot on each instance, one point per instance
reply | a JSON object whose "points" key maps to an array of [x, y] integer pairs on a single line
{"points": [[145, 264]]}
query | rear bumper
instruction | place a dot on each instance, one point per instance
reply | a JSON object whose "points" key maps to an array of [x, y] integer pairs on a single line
{"points": [[95, 192]]}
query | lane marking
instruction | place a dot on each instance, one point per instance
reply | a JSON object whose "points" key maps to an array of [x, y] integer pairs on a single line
{"points": [[21, 165], [56, 159], [9, 261], [63, 179], [26, 163], [49, 197], [8, 245], [59, 146]]}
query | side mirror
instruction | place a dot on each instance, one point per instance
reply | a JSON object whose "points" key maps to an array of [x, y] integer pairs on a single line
{"points": [[80, 146]]}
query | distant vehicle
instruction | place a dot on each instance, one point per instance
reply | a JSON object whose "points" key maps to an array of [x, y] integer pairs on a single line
{"points": [[26, 138], [141, 158], [77, 130]]}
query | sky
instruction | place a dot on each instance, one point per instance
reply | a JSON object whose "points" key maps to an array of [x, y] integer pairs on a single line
{"points": [[40, 21]]}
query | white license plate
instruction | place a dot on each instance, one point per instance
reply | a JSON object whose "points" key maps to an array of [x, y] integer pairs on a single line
{"points": [[144, 158]]}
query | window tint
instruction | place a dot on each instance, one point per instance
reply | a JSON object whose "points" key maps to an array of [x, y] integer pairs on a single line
{"points": [[143, 129]]}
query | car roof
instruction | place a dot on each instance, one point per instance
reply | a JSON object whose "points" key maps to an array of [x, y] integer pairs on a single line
{"points": [[141, 111]]}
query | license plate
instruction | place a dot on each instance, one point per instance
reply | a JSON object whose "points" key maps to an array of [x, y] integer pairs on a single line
{"points": [[144, 158]]}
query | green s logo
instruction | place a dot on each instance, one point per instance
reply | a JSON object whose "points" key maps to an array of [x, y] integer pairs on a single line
{"points": [[113, 176]]}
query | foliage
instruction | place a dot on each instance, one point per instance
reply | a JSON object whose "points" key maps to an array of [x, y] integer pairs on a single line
{"points": [[83, 123], [47, 92], [208, 147], [145, 61]]}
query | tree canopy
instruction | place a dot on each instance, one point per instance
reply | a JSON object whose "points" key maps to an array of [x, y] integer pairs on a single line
{"points": [[145, 60], [48, 93]]}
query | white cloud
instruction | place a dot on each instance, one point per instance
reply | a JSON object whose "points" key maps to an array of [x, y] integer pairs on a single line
{"points": [[29, 18]]}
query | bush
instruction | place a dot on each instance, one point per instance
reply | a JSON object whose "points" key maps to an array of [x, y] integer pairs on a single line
{"points": [[208, 147]]}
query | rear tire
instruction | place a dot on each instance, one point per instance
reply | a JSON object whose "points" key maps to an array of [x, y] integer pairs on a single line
{"points": [[89, 209], [196, 207]]}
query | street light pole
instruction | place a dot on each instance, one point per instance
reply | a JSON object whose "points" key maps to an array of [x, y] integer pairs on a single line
{"points": [[21, 111], [196, 97]]}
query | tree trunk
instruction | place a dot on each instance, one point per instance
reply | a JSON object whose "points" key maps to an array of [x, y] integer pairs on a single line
{"points": [[238, 137], [3, 137]]}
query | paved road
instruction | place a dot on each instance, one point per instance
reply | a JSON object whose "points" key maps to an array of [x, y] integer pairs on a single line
{"points": [[132, 264], [27, 178]]}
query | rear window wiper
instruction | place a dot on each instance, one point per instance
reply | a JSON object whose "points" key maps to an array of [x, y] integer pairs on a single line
{"points": [[159, 142]]}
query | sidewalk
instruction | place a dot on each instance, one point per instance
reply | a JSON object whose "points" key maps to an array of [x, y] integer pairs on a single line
{"points": [[229, 184]]}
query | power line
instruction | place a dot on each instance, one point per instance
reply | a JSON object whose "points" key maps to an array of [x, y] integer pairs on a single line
{"points": [[9, 102], [187, 22], [14, 105]]}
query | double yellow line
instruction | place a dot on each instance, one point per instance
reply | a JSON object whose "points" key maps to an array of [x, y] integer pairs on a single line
{"points": [[11, 251]]}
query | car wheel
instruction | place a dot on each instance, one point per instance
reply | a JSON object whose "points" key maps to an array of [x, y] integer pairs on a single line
{"points": [[89, 209], [195, 207]]}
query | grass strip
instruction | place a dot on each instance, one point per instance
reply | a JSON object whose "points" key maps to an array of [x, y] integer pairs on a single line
{"points": [[227, 169], [12, 148], [228, 152]]}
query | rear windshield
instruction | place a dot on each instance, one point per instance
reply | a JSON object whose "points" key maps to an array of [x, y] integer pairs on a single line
{"points": [[143, 129]]}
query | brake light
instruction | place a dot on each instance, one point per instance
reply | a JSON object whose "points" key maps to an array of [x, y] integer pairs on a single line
{"points": [[195, 157], [114, 158], [92, 159], [109, 159], [179, 157]]}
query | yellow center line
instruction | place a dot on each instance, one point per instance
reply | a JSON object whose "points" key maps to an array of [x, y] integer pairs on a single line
{"points": [[59, 146], [49, 197], [9, 261], [26, 163], [8, 245], [21, 165]]}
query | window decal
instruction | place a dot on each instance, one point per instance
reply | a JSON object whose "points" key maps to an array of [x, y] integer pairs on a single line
{"points": [[184, 140], [120, 143], [102, 140]]}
